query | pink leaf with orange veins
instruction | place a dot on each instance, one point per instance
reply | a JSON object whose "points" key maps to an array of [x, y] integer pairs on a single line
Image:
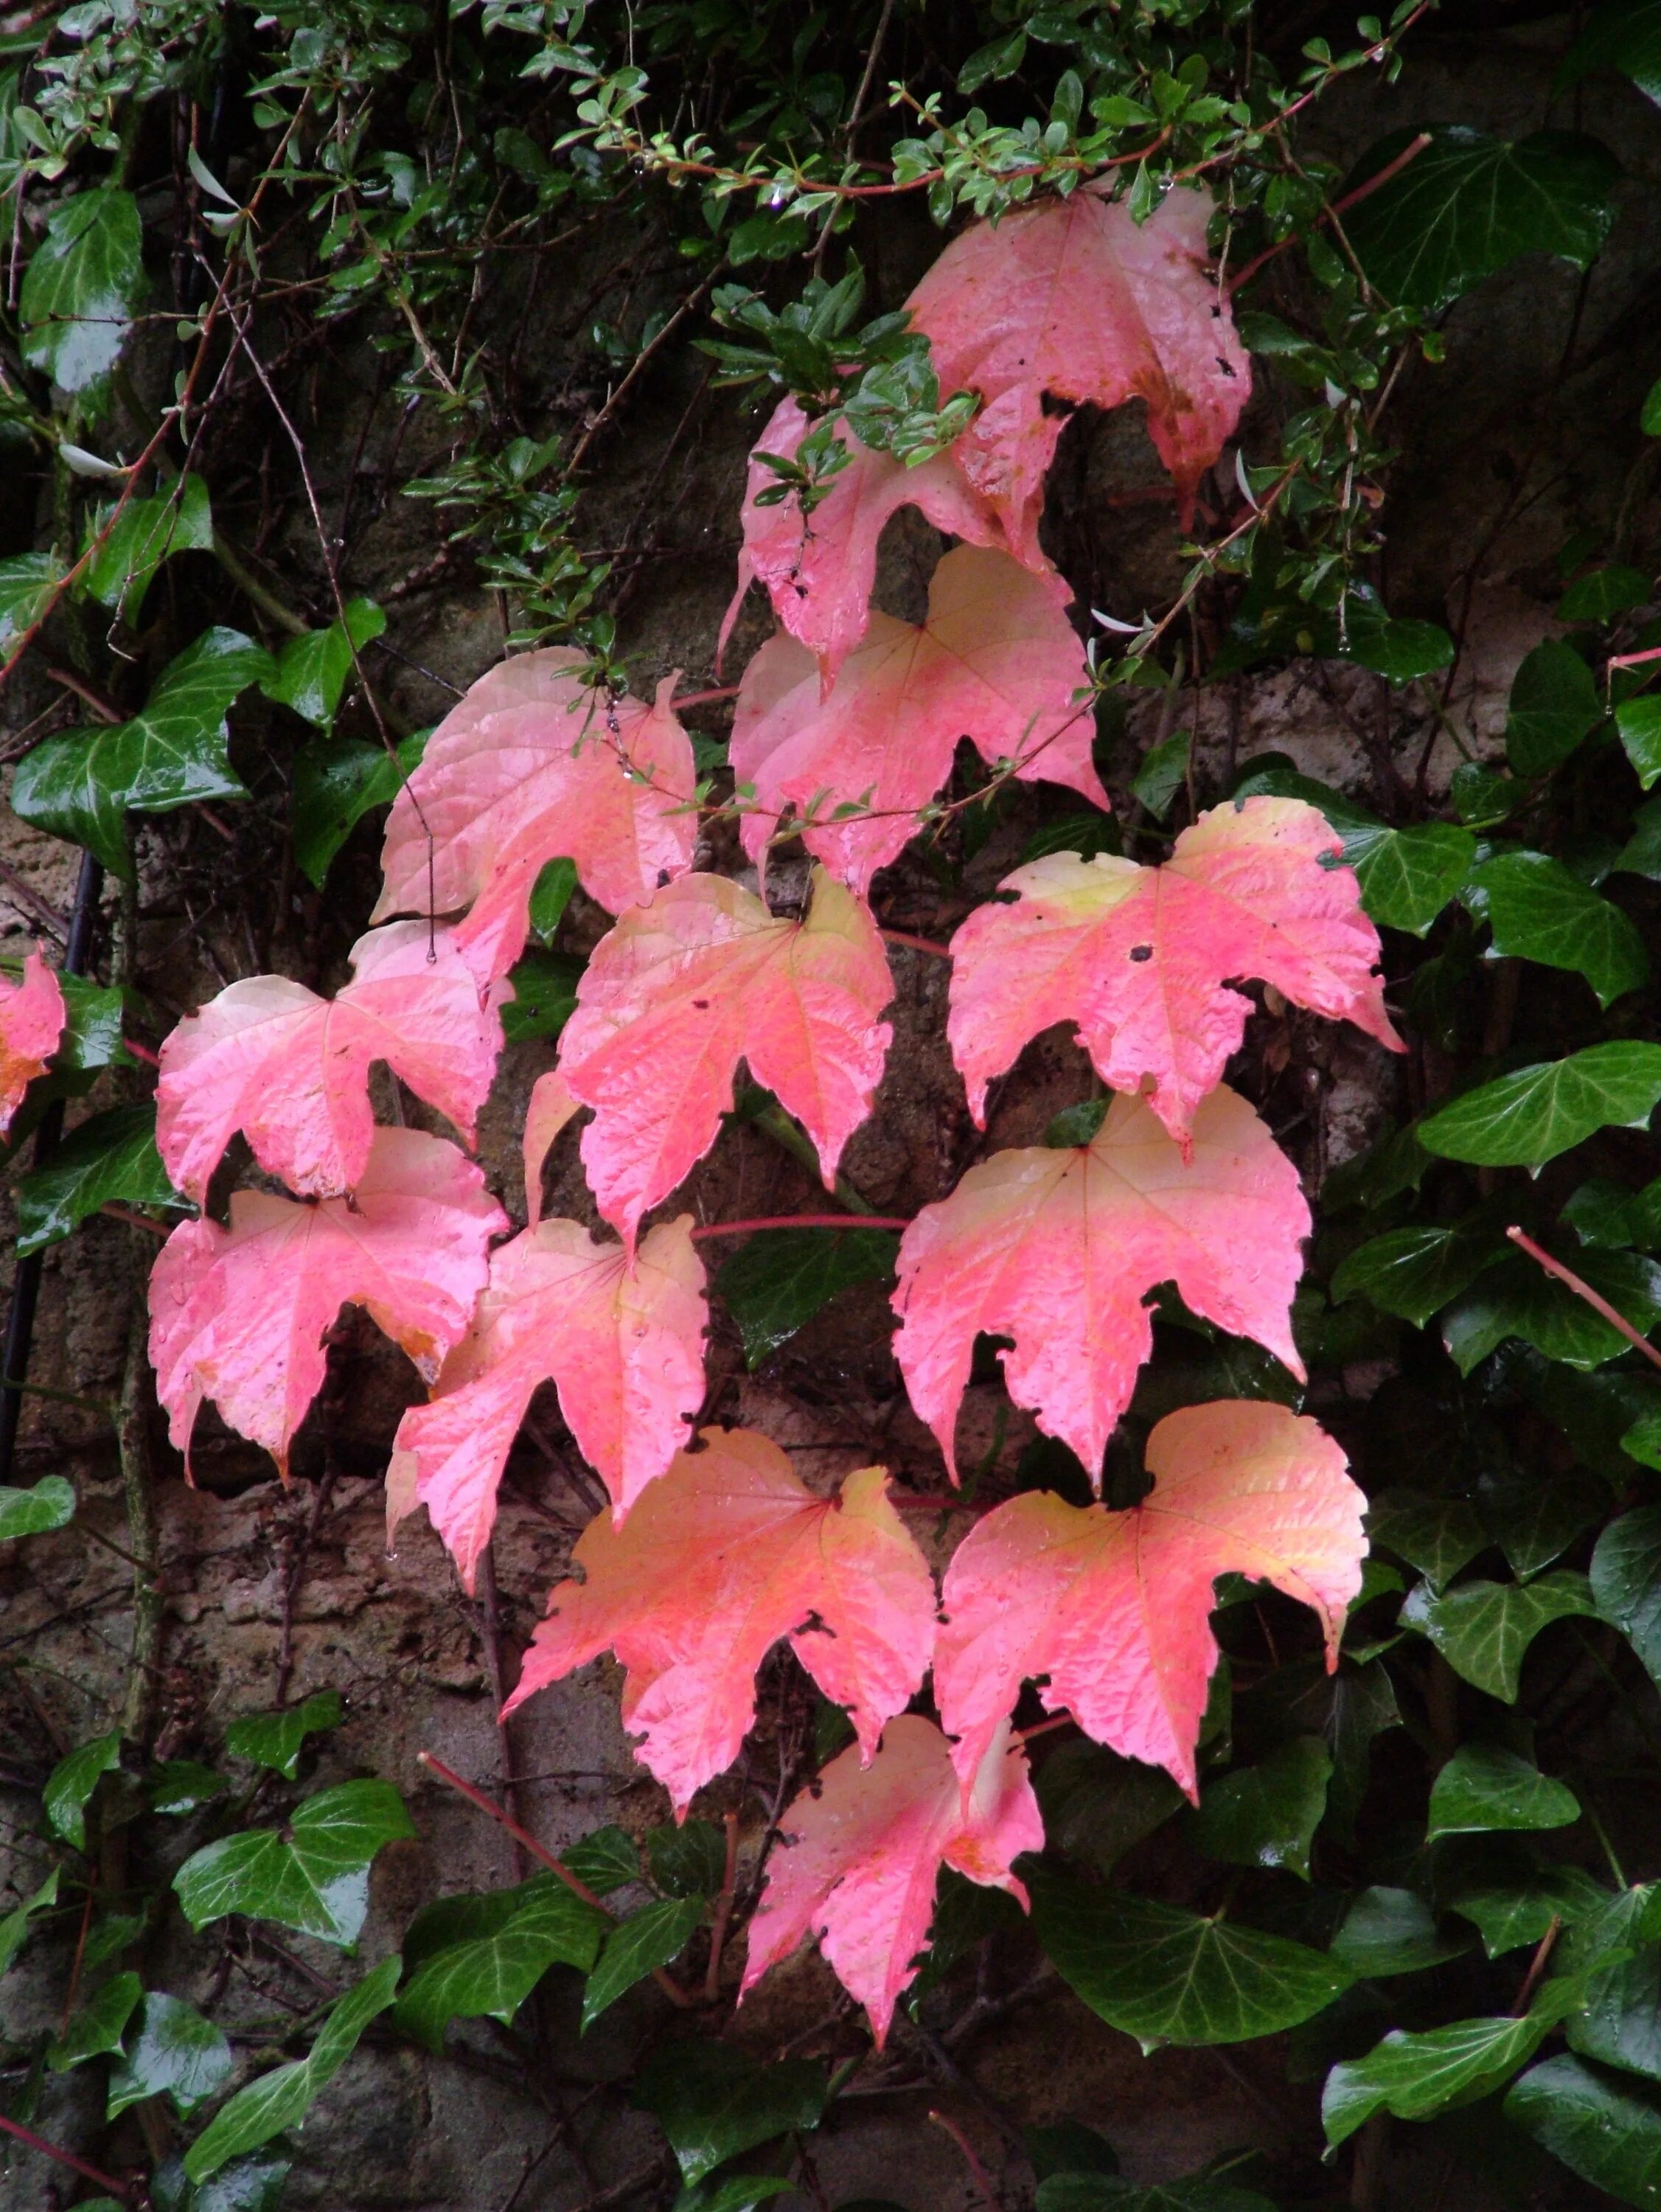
{"points": [[1060, 1249], [859, 1857], [623, 1345], [1114, 1608], [239, 1314], [1073, 300], [819, 570], [31, 1021], [681, 990], [534, 766], [291, 1070], [1137, 956], [996, 662], [721, 1557]]}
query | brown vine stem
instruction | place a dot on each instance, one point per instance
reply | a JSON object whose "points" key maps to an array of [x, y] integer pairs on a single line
{"points": [[1537, 1965], [971, 2158], [717, 1934], [106, 2182], [1600, 1306], [800, 1221], [670, 1988]]}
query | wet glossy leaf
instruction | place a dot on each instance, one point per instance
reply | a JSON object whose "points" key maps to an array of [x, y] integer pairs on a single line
{"points": [[1438, 1535], [544, 996], [1553, 703], [605, 1861], [81, 285], [1528, 1118], [172, 2051], [1483, 1788], [112, 1155], [1406, 876], [1509, 1914], [1605, 2127], [1638, 721], [648, 1939], [15, 1925], [70, 1785], [1483, 1630], [1518, 1299], [777, 1283], [26, 581], [144, 534], [180, 1786], [1619, 34], [99, 2026], [1267, 1814], [311, 671], [1413, 1272], [1626, 1581], [1097, 1806], [688, 1861], [313, 1876], [1417, 2075], [1393, 1931], [1538, 911], [493, 1969], [336, 782], [1167, 1976], [274, 1739], [49, 1505], [713, 2101]]}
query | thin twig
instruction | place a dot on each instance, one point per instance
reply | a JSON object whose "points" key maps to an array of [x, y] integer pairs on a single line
{"points": [[799, 1221], [107, 2182], [917, 943], [717, 1934], [1584, 1291], [971, 2159], [1537, 1965]]}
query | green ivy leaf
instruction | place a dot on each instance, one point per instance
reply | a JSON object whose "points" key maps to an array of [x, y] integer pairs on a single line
{"points": [[544, 996], [1483, 1630], [1482, 1788], [336, 785], [494, 1971], [1163, 774], [26, 583], [70, 1785], [1413, 1272], [1437, 1535], [1620, 35], [82, 785], [1621, 2022], [82, 283], [1406, 876], [1605, 2127], [111, 1156], [550, 895], [1469, 203], [689, 1860], [1090, 2192], [311, 671], [15, 1925], [282, 2098], [1483, 796], [144, 534], [1527, 1119], [49, 1506], [1508, 1914], [1553, 703], [92, 1020], [274, 1739], [714, 2102], [316, 1878], [648, 1938], [1538, 911], [776, 1283], [181, 1785], [1518, 1299], [1626, 1582], [1638, 721], [1393, 1931], [1097, 1806], [741, 2194], [1267, 1814], [605, 1861], [1603, 594], [1167, 1976], [1534, 1522], [1069, 2146], [175, 2053], [1416, 2076], [99, 2026]]}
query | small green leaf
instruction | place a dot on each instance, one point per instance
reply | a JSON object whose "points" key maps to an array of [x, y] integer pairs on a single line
{"points": [[49, 1506], [1538, 911], [1408, 877], [689, 1860], [82, 283], [1167, 1976], [1267, 1814], [274, 1739], [15, 1925], [544, 996], [1638, 721], [26, 583], [1527, 1119], [1535, 1521], [1416, 2076], [1517, 1297], [175, 2053], [336, 785], [282, 2098], [180, 1786], [1553, 703], [144, 534], [93, 1019], [1468, 204], [550, 895], [1483, 1630], [316, 1879], [1437, 1535], [1163, 774], [1482, 1788], [1413, 1272], [82, 785], [99, 2026], [777, 1282], [1621, 2023], [605, 1861], [1508, 1914], [714, 2102], [71, 1782], [110, 1156], [1605, 2127], [492, 1973], [1087, 835], [648, 1938], [1393, 1931], [1483, 796], [311, 671], [1626, 1582]]}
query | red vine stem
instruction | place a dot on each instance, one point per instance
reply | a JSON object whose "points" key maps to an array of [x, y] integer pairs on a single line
{"points": [[1387, 175], [800, 1221], [704, 698], [1583, 1289], [141, 1051], [135, 1220], [670, 1988], [983, 2180], [918, 943], [106, 2182]]}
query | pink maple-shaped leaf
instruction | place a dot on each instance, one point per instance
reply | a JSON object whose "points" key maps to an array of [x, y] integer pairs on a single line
{"points": [[819, 570], [1113, 1609], [531, 766], [1074, 299], [291, 1070], [720, 1558], [859, 1855], [31, 1019], [681, 990], [1138, 957], [239, 1314], [623, 1344], [1058, 1250], [996, 662]]}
